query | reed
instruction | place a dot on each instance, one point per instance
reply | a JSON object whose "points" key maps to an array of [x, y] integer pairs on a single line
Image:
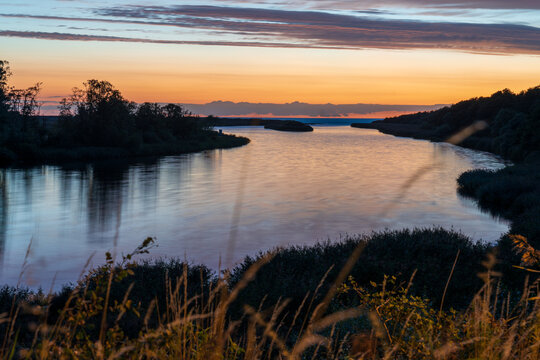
{"points": [[192, 317]]}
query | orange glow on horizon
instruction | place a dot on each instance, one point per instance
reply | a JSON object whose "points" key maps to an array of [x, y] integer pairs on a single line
{"points": [[373, 115], [202, 74]]}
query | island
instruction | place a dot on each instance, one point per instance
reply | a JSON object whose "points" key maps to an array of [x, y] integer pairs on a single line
{"points": [[288, 125], [273, 124]]}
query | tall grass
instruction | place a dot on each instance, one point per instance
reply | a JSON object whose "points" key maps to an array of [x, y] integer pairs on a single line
{"points": [[185, 312]]}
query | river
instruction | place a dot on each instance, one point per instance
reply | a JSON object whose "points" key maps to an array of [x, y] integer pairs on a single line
{"points": [[219, 206]]}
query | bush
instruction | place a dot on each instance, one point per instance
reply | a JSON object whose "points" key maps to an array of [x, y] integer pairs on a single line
{"points": [[297, 270], [189, 315]]}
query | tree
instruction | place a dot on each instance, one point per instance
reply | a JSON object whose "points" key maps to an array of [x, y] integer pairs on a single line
{"points": [[4, 75], [180, 121], [24, 101], [21, 101], [98, 114]]}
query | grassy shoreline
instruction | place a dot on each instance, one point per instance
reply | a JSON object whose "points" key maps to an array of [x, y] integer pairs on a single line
{"points": [[277, 304], [96, 122], [210, 140]]}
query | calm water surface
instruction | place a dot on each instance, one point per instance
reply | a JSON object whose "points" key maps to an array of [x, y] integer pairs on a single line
{"points": [[289, 188]]}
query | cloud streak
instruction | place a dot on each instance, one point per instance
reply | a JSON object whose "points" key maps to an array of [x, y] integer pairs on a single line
{"points": [[340, 30], [263, 27], [79, 37], [450, 4]]}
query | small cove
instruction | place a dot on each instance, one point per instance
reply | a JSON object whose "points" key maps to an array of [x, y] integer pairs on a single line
{"points": [[288, 188]]}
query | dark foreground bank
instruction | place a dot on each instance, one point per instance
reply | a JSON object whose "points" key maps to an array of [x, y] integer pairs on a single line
{"points": [[288, 300]]}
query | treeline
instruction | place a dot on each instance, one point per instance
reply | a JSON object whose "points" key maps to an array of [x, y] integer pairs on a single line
{"points": [[513, 123], [18, 122], [97, 122]]}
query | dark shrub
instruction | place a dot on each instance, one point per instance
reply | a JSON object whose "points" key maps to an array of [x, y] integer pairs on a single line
{"points": [[296, 271]]}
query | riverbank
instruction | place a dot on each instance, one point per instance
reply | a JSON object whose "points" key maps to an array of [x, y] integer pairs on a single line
{"points": [[512, 193], [414, 131], [513, 132], [32, 155], [97, 123]]}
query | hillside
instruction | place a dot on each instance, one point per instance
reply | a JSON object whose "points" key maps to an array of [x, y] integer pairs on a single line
{"points": [[513, 120]]}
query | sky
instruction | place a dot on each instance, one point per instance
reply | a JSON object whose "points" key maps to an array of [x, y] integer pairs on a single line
{"points": [[355, 58]]}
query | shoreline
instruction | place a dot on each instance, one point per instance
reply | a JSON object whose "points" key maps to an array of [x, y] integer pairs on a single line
{"points": [[509, 193], [403, 130], [89, 154]]}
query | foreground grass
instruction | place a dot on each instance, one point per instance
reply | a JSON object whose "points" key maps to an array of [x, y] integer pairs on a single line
{"points": [[410, 294]]}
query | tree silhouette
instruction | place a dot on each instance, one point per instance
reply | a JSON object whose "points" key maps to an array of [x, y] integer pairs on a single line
{"points": [[97, 122]]}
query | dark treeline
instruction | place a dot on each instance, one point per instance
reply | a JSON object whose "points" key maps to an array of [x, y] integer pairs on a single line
{"points": [[97, 122], [18, 122], [513, 123]]}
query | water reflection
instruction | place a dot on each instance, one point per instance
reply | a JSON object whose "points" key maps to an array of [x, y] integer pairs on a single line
{"points": [[296, 189], [4, 209], [105, 197]]}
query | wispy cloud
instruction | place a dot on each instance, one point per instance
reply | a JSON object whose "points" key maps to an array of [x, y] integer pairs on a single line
{"points": [[79, 37], [461, 4], [304, 29], [341, 30]]}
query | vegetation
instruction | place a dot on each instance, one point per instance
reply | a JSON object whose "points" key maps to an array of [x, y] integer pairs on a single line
{"points": [[512, 192], [296, 270], [19, 127], [288, 125], [97, 122], [160, 310], [513, 121]]}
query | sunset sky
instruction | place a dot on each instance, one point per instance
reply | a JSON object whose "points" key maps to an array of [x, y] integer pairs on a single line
{"points": [[366, 58]]}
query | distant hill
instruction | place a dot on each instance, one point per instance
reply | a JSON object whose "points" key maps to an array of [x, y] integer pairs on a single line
{"points": [[513, 119]]}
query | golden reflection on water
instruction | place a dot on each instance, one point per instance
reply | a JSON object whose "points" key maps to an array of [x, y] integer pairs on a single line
{"points": [[295, 188]]}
